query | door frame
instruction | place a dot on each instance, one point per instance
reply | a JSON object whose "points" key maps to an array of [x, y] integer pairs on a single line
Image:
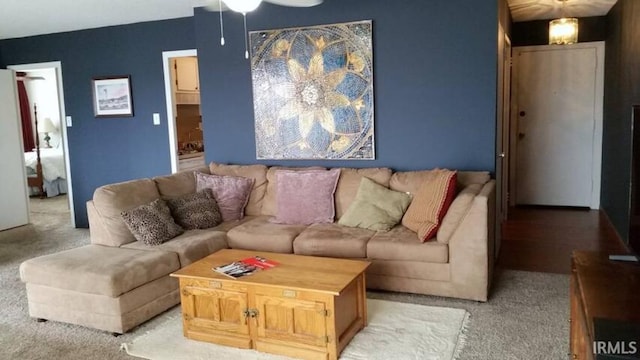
{"points": [[171, 102], [57, 66], [596, 169], [503, 83]]}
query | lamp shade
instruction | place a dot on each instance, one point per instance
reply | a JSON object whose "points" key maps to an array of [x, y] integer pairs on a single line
{"points": [[242, 6], [46, 126], [563, 31]]}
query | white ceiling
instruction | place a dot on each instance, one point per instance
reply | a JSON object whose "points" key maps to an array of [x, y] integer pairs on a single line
{"points": [[525, 10], [20, 18]]}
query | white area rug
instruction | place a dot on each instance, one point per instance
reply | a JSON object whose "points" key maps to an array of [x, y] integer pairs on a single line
{"points": [[395, 331]]}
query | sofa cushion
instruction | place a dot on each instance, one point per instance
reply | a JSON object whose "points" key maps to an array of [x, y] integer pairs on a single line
{"points": [[269, 206], [430, 204], [398, 271], [111, 200], [410, 181], [175, 185], [401, 243], [231, 193], [305, 197], [97, 269], [256, 172], [196, 211], [375, 207], [225, 226], [466, 178], [152, 223], [349, 183], [261, 234], [333, 240], [457, 211], [191, 246]]}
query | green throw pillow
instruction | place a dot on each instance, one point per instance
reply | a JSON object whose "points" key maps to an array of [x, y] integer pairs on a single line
{"points": [[375, 207]]}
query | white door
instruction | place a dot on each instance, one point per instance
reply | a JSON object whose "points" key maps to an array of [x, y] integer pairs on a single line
{"points": [[558, 94], [14, 204]]}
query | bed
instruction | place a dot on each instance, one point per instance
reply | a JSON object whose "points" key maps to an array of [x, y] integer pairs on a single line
{"points": [[46, 172]]}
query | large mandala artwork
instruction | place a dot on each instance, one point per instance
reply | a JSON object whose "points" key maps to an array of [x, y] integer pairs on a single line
{"points": [[313, 92]]}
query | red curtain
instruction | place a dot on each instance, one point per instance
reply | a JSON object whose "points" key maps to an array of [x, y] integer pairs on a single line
{"points": [[25, 114]]}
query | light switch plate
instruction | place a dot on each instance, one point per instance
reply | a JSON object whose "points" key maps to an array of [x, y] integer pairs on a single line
{"points": [[156, 119], [68, 120]]}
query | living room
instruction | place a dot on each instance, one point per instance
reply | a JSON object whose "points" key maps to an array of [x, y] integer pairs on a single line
{"points": [[435, 90]]}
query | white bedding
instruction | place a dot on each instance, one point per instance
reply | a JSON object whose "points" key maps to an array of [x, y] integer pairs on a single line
{"points": [[52, 163]]}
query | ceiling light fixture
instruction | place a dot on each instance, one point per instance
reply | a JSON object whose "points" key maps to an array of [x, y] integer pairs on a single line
{"points": [[243, 6], [246, 6], [563, 31]]}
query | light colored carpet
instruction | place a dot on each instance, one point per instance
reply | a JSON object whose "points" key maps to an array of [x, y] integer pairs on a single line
{"points": [[395, 331], [525, 318]]}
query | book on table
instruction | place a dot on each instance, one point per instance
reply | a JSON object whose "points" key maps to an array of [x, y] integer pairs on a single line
{"points": [[245, 266]]}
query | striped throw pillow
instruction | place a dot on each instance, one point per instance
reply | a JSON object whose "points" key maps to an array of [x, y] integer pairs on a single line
{"points": [[430, 204]]}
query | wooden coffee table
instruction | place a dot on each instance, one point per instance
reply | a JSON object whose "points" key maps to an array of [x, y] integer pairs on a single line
{"points": [[306, 307]]}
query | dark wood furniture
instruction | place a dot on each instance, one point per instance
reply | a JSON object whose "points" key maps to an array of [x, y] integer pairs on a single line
{"points": [[600, 288], [37, 179]]}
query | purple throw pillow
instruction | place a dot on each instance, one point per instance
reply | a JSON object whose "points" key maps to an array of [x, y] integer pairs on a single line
{"points": [[305, 197], [231, 193]]}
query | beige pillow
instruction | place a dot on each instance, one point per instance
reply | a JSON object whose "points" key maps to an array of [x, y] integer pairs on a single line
{"points": [[430, 204], [375, 207]]}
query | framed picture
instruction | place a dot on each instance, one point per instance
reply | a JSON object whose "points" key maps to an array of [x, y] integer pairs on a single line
{"points": [[112, 96], [313, 92]]}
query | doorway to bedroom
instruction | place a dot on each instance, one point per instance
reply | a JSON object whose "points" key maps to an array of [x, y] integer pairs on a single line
{"points": [[47, 162]]}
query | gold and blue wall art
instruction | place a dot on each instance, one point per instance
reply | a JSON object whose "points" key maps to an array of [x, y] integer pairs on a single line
{"points": [[313, 92]]}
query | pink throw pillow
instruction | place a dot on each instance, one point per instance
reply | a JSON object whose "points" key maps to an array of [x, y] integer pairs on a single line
{"points": [[305, 197], [231, 193]]}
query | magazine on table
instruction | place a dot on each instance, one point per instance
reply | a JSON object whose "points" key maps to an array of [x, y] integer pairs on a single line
{"points": [[245, 267]]}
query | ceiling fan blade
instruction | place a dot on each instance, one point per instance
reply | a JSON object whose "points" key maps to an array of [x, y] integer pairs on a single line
{"points": [[295, 3]]}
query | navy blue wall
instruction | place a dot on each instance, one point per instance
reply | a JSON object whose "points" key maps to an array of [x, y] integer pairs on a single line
{"points": [[434, 84], [434, 80], [109, 150]]}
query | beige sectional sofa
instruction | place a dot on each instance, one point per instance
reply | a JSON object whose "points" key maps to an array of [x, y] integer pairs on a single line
{"points": [[116, 282]]}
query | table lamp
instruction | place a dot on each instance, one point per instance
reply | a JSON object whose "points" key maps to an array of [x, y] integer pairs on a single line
{"points": [[45, 127]]}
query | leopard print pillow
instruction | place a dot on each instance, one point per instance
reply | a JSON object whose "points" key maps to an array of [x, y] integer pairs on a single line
{"points": [[196, 211], [152, 223]]}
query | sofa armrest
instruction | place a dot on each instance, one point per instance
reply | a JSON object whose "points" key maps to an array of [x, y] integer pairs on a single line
{"points": [[471, 248], [97, 229]]}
